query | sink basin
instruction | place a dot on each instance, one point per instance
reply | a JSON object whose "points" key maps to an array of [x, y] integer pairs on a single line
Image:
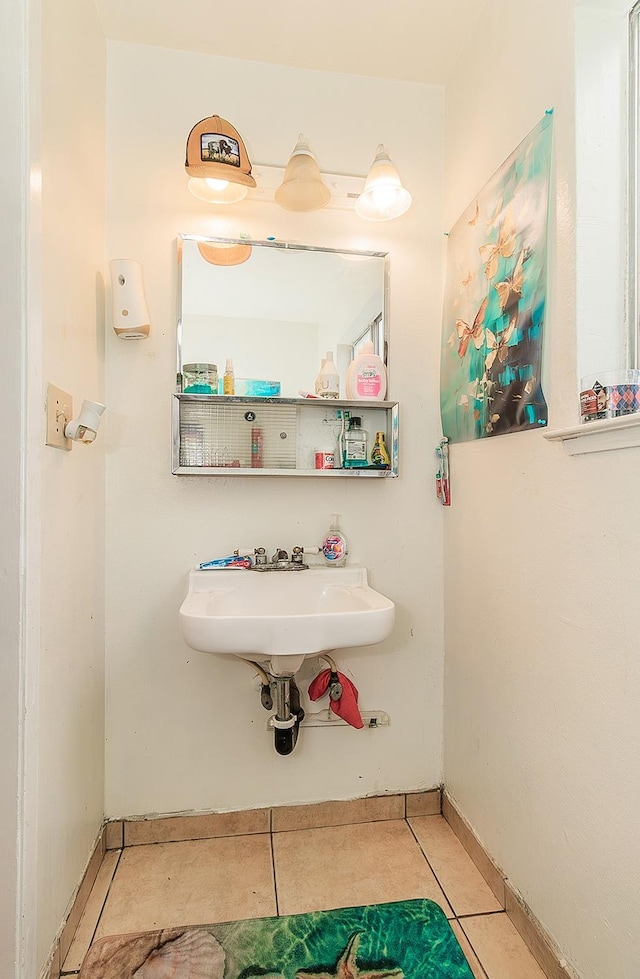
{"points": [[283, 617]]}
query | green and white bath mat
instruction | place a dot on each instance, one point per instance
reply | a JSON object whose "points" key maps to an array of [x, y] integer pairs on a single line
{"points": [[402, 940]]}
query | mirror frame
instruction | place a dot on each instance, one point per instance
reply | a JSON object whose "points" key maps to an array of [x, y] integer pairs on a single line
{"points": [[380, 337]]}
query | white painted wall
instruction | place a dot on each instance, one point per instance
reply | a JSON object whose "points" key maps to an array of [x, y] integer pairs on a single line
{"points": [[602, 72], [13, 113], [186, 730], [65, 612], [542, 613]]}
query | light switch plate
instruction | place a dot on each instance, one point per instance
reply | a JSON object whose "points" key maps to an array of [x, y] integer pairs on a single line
{"points": [[59, 412]]}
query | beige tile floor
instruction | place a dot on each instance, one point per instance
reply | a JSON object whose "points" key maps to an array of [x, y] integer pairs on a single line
{"points": [[192, 882]]}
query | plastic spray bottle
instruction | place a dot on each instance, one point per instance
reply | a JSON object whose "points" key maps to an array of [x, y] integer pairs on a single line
{"points": [[229, 379]]}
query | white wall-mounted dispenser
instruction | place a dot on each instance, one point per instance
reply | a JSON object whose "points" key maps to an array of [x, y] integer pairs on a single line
{"points": [[130, 314]]}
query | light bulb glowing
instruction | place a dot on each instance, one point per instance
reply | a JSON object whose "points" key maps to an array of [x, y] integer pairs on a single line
{"points": [[384, 198], [217, 191]]}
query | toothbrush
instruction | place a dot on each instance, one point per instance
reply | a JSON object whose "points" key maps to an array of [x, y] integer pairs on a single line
{"points": [[233, 561], [446, 488]]}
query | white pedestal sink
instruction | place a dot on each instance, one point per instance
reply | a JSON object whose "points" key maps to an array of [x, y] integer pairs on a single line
{"points": [[283, 617]]}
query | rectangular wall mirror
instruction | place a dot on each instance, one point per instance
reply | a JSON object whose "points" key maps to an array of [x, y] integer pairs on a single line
{"points": [[276, 308]]}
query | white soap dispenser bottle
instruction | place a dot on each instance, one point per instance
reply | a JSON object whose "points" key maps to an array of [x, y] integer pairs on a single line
{"points": [[328, 380], [335, 547]]}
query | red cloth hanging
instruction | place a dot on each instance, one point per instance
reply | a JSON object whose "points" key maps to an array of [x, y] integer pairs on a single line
{"points": [[347, 706]]}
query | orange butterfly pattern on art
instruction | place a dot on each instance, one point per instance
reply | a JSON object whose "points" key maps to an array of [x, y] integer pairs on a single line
{"points": [[499, 348], [510, 290], [467, 333], [504, 247]]}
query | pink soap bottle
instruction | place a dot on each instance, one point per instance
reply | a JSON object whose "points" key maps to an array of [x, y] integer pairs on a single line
{"points": [[367, 376]]}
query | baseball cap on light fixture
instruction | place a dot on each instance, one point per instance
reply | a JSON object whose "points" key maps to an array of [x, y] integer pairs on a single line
{"points": [[383, 197], [217, 163]]}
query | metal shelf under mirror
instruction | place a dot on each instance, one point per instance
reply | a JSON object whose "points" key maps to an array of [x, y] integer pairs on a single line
{"points": [[222, 435]]}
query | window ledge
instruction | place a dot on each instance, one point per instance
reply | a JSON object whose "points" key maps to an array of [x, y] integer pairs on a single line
{"points": [[599, 436]]}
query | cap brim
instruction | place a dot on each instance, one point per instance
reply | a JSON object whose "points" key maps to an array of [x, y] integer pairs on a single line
{"points": [[220, 171]]}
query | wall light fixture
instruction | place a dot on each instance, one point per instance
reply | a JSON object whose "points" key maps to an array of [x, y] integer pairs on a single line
{"points": [[220, 172], [217, 162], [383, 197], [302, 188]]}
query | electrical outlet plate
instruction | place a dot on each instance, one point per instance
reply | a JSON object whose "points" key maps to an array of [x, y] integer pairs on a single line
{"points": [[59, 412]]}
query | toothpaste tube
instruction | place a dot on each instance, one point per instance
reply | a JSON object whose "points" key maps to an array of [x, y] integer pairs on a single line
{"points": [[233, 561]]}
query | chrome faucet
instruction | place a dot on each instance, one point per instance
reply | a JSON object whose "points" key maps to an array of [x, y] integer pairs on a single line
{"points": [[279, 560]]}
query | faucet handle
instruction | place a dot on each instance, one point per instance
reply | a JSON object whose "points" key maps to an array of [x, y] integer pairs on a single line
{"points": [[298, 552], [259, 554]]}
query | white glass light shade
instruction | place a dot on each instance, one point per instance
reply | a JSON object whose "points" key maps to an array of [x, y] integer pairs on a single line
{"points": [[216, 191], [383, 197], [302, 188], [130, 314]]}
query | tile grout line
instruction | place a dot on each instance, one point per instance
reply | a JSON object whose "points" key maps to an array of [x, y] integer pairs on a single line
{"points": [[456, 916], [478, 914], [275, 879], [102, 906], [471, 945], [440, 884], [196, 839]]}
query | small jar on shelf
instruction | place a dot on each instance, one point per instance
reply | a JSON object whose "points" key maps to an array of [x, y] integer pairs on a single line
{"points": [[200, 379]]}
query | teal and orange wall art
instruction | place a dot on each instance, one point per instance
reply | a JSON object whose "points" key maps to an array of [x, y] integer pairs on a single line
{"points": [[495, 300]]}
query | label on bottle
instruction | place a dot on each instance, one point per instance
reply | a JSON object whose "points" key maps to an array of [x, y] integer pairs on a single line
{"points": [[356, 449], [327, 386], [325, 459], [368, 382], [333, 547], [379, 454]]}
